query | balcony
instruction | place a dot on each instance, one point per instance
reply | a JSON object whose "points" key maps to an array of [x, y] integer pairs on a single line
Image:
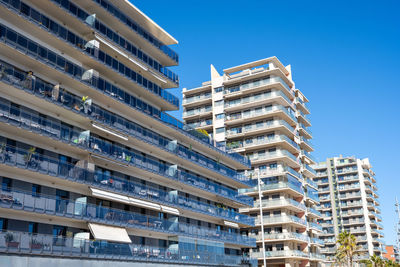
{"points": [[116, 66], [96, 113], [275, 203], [258, 85], [132, 25], [257, 143], [305, 143], [50, 206], [302, 105], [281, 220], [53, 246], [259, 127], [279, 171], [315, 212], [347, 178], [264, 112], [317, 241], [297, 189], [198, 99], [309, 171], [309, 158], [42, 89], [198, 112], [302, 118], [264, 98], [305, 131], [280, 254], [201, 124], [281, 154], [315, 226], [317, 256], [276, 237], [52, 167]]}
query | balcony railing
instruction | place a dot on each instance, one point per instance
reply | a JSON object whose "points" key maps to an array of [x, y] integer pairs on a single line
{"points": [[50, 205], [275, 154], [24, 243], [317, 241], [259, 126], [60, 31], [200, 123], [314, 211], [196, 98], [80, 44], [255, 98], [280, 236], [95, 112], [310, 169], [16, 157], [261, 112], [259, 83], [281, 219], [197, 111], [280, 254], [315, 226], [263, 141], [134, 26], [16, 77], [279, 185], [280, 202]]}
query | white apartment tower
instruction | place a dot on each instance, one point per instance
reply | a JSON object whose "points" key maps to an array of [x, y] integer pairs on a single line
{"points": [[256, 110], [348, 202]]}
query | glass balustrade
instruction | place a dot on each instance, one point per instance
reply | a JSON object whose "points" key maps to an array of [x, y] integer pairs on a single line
{"points": [[280, 202], [312, 210], [50, 205], [76, 104], [259, 126], [17, 157], [59, 246], [197, 111], [281, 219], [289, 235], [280, 254], [258, 83], [196, 98], [255, 98], [278, 185], [260, 112], [128, 22], [310, 169], [47, 57], [103, 58], [61, 32], [315, 226]]}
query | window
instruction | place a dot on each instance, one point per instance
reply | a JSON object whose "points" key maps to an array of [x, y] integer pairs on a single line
{"points": [[33, 228], [220, 130], [220, 116], [6, 184], [273, 166], [219, 103], [279, 246], [219, 89], [36, 189], [275, 196], [277, 213]]}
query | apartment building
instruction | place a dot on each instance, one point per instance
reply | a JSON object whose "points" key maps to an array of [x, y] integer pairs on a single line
{"points": [[93, 170], [256, 110], [349, 202]]}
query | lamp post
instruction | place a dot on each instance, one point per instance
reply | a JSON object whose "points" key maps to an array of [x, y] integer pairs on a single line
{"points": [[261, 217]]}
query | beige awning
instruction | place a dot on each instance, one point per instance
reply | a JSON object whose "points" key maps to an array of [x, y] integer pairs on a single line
{"points": [[109, 233]]}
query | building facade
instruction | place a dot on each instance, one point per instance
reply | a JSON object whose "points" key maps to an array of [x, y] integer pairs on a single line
{"points": [[392, 253], [256, 110], [92, 168], [349, 202]]}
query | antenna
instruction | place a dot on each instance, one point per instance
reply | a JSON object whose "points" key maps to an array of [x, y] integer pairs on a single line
{"points": [[397, 209]]}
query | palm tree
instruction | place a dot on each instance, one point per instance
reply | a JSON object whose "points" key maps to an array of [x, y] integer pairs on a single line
{"points": [[347, 248], [376, 261]]}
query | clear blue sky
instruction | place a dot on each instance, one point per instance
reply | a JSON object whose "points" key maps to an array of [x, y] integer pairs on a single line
{"points": [[345, 57]]}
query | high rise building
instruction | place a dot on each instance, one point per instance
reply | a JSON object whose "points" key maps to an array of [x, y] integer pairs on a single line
{"points": [[256, 110], [349, 202], [91, 166]]}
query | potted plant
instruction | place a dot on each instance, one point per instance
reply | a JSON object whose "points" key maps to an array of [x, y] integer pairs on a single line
{"points": [[10, 241], [35, 244], [28, 156]]}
